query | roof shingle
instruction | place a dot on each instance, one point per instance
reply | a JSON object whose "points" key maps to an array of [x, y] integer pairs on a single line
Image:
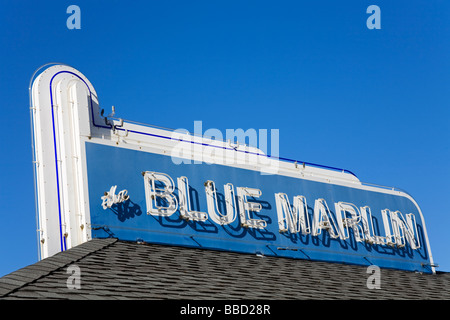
{"points": [[114, 269]]}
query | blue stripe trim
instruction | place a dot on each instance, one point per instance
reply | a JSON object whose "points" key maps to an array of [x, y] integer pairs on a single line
{"points": [[57, 173], [248, 152], [62, 239]]}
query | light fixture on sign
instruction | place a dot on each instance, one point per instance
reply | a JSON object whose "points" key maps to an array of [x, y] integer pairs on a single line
{"points": [[369, 233], [399, 230], [155, 195], [213, 207], [245, 207], [295, 220], [110, 198], [342, 208], [323, 219], [185, 202]]}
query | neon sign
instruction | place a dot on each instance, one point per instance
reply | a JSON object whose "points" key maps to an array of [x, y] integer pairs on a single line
{"points": [[159, 187], [110, 198], [180, 191]]}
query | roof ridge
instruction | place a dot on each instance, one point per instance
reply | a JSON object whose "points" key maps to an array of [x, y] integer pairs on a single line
{"points": [[29, 274]]}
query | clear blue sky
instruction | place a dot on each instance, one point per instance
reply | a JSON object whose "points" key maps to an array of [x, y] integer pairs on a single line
{"points": [[372, 101]]}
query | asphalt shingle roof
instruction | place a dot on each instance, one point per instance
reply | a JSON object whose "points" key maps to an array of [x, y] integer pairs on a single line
{"points": [[115, 269]]}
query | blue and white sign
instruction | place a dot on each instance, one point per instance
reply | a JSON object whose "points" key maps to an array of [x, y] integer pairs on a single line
{"points": [[103, 177]]}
